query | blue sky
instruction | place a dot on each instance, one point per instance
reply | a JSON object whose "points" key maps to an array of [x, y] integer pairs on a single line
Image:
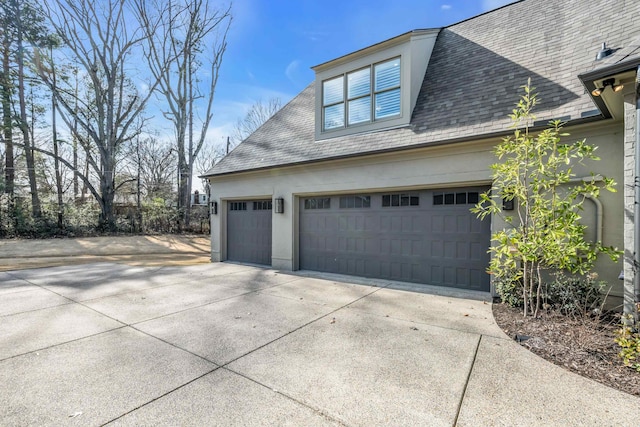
{"points": [[273, 43]]}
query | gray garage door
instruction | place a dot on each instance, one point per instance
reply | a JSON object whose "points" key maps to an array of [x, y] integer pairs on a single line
{"points": [[423, 236], [249, 231]]}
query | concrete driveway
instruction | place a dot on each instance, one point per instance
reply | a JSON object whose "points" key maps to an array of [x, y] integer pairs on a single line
{"points": [[225, 344]]}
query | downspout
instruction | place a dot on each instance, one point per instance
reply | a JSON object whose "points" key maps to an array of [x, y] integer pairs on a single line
{"points": [[599, 209], [636, 206], [596, 201]]}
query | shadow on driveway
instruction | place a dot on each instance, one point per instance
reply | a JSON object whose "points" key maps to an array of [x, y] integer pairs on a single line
{"points": [[228, 344]]}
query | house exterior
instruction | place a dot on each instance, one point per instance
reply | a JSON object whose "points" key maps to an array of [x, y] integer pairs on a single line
{"points": [[198, 199], [371, 170]]}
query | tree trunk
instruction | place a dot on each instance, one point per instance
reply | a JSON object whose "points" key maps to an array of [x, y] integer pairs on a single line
{"points": [[138, 188], [525, 285], [187, 213], [24, 127], [107, 190], [56, 159], [5, 86], [74, 136]]}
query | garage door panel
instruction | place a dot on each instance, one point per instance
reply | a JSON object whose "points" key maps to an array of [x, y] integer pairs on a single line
{"points": [[437, 223], [476, 251], [249, 232], [441, 244], [462, 250], [476, 226], [475, 278], [371, 223], [450, 225], [463, 223]]}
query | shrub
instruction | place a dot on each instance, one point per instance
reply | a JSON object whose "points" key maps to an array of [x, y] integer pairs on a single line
{"points": [[509, 290], [629, 339], [575, 296], [535, 171]]}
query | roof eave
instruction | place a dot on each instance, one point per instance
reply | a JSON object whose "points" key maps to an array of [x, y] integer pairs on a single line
{"points": [[402, 38], [499, 134], [588, 80]]}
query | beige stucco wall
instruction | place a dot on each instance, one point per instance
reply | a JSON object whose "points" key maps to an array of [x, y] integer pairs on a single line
{"points": [[609, 140], [452, 165]]}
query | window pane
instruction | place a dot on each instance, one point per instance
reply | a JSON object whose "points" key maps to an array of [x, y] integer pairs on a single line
{"points": [[333, 91], [388, 104], [386, 200], [359, 83], [351, 202], [415, 201], [438, 199], [449, 199], [360, 110], [461, 198], [473, 198], [334, 116], [343, 202], [395, 200], [387, 75]]}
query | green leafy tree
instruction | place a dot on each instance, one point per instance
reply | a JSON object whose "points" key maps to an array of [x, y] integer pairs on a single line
{"points": [[544, 233], [22, 27]]}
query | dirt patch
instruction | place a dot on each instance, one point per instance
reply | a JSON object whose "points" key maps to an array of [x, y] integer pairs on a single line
{"points": [[19, 254], [585, 346]]}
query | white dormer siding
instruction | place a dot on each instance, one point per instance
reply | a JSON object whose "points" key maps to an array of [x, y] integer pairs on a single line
{"points": [[374, 88]]}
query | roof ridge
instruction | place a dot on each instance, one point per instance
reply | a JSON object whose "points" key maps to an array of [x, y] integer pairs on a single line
{"points": [[484, 13]]}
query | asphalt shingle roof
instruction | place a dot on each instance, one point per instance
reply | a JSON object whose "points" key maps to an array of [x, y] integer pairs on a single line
{"points": [[472, 82]]}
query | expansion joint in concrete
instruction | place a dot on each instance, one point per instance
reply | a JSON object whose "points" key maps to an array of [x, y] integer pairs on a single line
{"points": [[466, 383]]}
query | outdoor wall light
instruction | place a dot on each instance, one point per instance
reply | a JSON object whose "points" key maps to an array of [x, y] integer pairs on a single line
{"points": [[279, 207], [214, 208], [607, 82], [507, 205]]}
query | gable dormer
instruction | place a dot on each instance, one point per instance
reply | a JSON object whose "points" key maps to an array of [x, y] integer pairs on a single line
{"points": [[374, 88]]}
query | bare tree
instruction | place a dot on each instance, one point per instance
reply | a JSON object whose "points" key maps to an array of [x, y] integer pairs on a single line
{"points": [[190, 37], [256, 116], [209, 156], [97, 37], [156, 163]]}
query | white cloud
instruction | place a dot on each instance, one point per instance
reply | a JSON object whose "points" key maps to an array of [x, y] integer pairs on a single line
{"points": [[292, 70], [445, 7], [144, 88], [315, 35], [494, 4]]}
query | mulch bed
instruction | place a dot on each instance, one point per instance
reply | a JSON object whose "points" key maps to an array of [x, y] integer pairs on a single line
{"points": [[584, 345]]}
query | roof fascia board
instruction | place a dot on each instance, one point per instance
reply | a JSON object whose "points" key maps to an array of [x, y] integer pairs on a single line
{"points": [[588, 80], [617, 68]]}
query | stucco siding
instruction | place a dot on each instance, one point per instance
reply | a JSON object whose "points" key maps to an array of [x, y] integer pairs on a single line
{"points": [[452, 165]]}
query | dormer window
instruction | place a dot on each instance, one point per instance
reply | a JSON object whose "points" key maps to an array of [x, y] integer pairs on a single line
{"points": [[370, 94], [372, 89], [387, 89]]}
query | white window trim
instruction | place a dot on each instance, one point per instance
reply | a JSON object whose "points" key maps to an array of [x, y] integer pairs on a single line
{"points": [[414, 50], [371, 94]]}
